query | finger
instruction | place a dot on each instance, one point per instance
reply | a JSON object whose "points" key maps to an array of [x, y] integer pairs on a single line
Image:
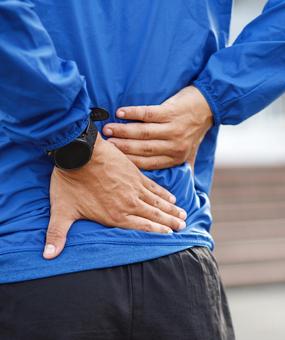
{"points": [[158, 202], [56, 236], [156, 215], [158, 190], [191, 161], [142, 148], [143, 224], [149, 114], [145, 131], [192, 157], [152, 162]]}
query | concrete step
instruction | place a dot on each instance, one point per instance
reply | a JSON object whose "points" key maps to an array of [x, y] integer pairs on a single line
{"points": [[248, 230], [245, 274], [249, 192], [248, 206], [254, 251], [244, 211]]}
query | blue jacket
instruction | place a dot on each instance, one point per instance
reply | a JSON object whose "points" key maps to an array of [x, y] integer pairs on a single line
{"points": [[58, 58]]}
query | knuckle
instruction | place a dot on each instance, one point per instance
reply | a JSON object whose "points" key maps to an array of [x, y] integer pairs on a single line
{"points": [[148, 114], [179, 159], [115, 216], [174, 223], [120, 210], [181, 130], [163, 230], [182, 148], [157, 214], [153, 186], [173, 146], [176, 134], [156, 203], [120, 131], [171, 108], [181, 151], [145, 133], [173, 210], [155, 163], [147, 149], [131, 202], [125, 147], [55, 234], [136, 110], [147, 227]]}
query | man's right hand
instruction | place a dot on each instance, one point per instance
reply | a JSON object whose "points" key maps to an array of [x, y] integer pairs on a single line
{"points": [[110, 190]]}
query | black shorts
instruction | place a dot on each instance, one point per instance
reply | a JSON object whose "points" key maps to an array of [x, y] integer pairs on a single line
{"points": [[175, 297]]}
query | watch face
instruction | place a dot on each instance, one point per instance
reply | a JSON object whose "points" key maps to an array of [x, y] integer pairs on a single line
{"points": [[73, 155]]}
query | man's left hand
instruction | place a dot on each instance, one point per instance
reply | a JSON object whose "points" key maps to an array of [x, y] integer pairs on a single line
{"points": [[167, 134]]}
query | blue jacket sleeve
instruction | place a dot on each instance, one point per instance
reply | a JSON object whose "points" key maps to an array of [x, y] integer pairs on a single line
{"points": [[242, 79], [43, 99]]}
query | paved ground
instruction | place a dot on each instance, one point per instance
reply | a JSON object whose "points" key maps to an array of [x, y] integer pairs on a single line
{"points": [[258, 312]]}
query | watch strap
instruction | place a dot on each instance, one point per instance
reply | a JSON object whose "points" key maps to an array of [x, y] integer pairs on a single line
{"points": [[88, 138], [98, 113], [90, 134]]}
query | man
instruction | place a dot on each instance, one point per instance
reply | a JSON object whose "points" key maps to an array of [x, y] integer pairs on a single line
{"points": [[162, 71]]}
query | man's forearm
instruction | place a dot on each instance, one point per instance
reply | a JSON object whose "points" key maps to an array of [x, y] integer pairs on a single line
{"points": [[241, 80]]}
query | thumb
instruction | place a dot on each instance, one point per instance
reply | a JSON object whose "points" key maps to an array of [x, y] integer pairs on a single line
{"points": [[191, 159], [192, 163], [56, 236]]}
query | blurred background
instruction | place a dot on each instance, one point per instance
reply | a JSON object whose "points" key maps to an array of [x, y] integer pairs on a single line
{"points": [[248, 199]]}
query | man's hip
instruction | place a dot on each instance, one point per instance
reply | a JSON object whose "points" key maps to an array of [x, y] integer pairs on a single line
{"points": [[179, 296]]}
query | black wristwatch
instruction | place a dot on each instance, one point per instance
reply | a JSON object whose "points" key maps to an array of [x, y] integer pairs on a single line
{"points": [[77, 153]]}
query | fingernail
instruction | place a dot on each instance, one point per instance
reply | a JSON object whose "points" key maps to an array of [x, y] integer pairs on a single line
{"points": [[169, 231], [108, 132], [182, 214], [172, 199], [121, 114], [182, 225], [49, 250]]}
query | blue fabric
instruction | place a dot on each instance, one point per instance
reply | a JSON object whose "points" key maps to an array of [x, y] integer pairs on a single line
{"points": [[58, 58]]}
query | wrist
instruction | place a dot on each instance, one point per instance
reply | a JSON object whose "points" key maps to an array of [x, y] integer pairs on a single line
{"points": [[96, 158], [79, 152], [102, 152], [98, 148], [198, 101], [190, 99], [200, 105]]}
